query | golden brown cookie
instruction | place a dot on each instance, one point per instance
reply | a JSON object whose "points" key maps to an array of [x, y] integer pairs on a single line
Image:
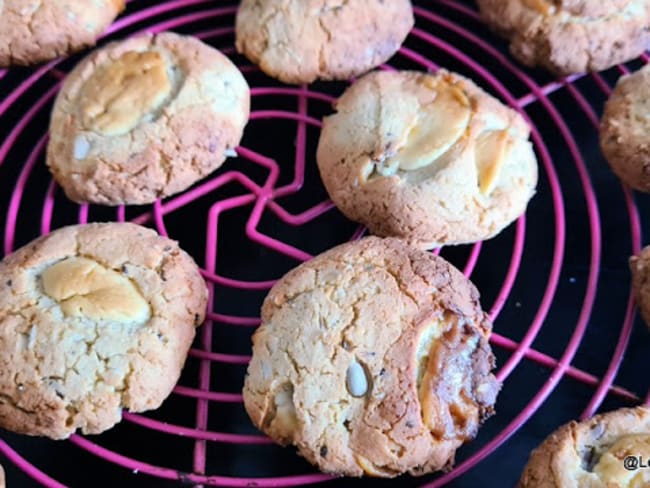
{"points": [[94, 319], [431, 159], [145, 118], [571, 36], [372, 358], [299, 41], [32, 31], [594, 453], [625, 130]]}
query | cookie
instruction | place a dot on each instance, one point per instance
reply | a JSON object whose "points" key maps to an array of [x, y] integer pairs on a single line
{"points": [[571, 36], [593, 453], [32, 31], [94, 319], [145, 118], [300, 41], [429, 158], [640, 270], [624, 129], [372, 358]]}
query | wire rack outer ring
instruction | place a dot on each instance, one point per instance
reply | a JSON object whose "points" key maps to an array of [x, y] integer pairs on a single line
{"points": [[265, 198]]}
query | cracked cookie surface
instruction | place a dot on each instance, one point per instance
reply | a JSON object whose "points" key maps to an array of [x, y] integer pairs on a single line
{"points": [[32, 31], [624, 130], [93, 319], [372, 358], [640, 269], [591, 453], [300, 41], [571, 36], [431, 159], [145, 118]]}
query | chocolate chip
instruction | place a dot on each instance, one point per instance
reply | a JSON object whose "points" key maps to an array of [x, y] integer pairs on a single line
{"points": [[323, 451], [410, 424], [197, 319], [382, 372], [346, 424], [9, 283]]}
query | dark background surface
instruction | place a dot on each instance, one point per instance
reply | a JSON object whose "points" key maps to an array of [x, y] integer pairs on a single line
{"points": [[241, 258]]}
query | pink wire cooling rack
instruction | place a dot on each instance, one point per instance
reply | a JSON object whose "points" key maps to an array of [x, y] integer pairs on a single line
{"points": [[261, 187]]}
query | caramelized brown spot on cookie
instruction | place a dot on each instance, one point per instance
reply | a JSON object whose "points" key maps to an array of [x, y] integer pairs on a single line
{"points": [[456, 389], [492, 151]]}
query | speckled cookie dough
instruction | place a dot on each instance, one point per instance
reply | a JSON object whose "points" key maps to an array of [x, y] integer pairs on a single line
{"points": [[372, 358], [145, 118], [94, 319], [431, 159], [300, 41], [32, 31], [640, 269], [591, 453], [625, 130], [571, 36]]}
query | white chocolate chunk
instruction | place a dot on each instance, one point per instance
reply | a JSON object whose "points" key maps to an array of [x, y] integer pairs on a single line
{"points": [[436, 128], [285, 419], [84, 288], [371, 469], [123, 93], [426, 342], [492, 150], [81, 147]]}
